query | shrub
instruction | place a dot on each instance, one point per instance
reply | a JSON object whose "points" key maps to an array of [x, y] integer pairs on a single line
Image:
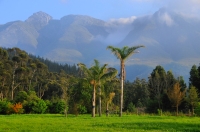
{"points": [[39, 107], [131, 107], [35, 106], [17, 108], [28, 106], [48, 104], [57, 107], [5, 107], [82, 109]]}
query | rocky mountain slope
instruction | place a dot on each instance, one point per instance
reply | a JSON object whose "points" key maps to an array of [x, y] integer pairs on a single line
{"points": [[171, 40]]}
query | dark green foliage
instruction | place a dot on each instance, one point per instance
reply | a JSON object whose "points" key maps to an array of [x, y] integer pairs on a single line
{"points": [[56, 67], [82, 109], [159, 82], [197, 109], [194, 79], [21, 97], [5, 107], [31, 102], [57, 107], [131, 107], [136, 93]]}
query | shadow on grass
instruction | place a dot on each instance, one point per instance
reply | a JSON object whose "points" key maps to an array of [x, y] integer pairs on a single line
{"points": [[153, 126]]}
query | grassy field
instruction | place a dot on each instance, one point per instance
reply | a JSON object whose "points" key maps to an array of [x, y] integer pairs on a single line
{"points": [[56, 123]]}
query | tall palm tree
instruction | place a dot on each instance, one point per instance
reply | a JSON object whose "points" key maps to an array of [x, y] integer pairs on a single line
{"points": [[123, 54], [97, 75]]}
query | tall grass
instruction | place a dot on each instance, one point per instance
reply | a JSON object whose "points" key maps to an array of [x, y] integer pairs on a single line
{"points": [[56, 123]]}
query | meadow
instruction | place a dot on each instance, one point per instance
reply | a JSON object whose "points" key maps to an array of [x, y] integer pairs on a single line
{"points": [[133, 123]]}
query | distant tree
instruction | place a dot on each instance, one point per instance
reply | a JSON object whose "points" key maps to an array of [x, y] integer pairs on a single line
{"points": [[159, 82], [18, 69], [193, 98], [194, 79], [123, 54], [136, 92], [66, 82], [176, 96], [5, 73]]}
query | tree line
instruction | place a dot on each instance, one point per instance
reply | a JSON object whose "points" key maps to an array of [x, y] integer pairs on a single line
{"points": [[30, 84]]}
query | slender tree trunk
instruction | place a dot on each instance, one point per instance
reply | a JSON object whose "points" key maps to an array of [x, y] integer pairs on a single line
{"points": [[1, 96], [93, 100], [176, 110], [12, 91], [65, 111], [107, 110], [122, 88], [192, 111], [99, 101]]}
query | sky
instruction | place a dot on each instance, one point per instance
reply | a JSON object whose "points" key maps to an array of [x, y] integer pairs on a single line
{"points": [[11, 10]]}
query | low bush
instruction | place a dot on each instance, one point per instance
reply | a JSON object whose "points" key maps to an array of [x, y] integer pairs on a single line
{"points": [[5, 107], [57, 107]]}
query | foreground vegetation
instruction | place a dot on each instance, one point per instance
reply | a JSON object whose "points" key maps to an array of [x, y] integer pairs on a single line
{"points": [[32, 85], [57, 122]]}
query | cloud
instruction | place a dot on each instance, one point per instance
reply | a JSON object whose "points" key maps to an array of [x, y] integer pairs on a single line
{"points": [[120, 28], [64, 55], [128, 20], [166, 19], [189, 7]]}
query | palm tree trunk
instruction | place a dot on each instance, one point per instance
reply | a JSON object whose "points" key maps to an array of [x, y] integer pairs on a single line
{"points": [[93, 101], [99, 101], [122, 88]]}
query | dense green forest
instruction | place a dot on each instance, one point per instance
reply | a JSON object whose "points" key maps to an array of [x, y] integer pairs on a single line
{"points": [[30, 84]]}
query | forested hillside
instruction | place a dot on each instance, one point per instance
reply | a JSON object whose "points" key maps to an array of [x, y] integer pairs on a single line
{"points": [[30, 84], [56, 67]]}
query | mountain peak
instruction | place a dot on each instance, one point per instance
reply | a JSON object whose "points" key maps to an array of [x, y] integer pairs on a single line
{"points": [[39, 19], [82, 19]]}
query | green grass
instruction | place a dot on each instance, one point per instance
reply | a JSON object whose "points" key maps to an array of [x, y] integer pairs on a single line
{"points": [[57, 123]]}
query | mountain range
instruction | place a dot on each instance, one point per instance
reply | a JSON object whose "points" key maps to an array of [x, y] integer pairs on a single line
{"points": [[171, 40]]}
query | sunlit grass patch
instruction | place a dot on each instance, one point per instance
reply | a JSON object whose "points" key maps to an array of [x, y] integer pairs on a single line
{"points": [[56, 122]]}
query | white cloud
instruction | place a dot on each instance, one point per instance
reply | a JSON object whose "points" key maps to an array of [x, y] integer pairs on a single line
{"points": [[64, 55], [120, 28], [166, 19], [128, 20], [189, 7]]}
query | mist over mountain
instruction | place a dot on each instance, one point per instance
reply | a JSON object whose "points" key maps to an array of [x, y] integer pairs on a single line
{"points": [[171, 40]]}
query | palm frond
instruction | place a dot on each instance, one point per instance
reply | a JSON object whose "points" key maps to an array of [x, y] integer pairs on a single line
{"points": [[111, 73], [83, 67], [115, 51], [130, 51]]}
